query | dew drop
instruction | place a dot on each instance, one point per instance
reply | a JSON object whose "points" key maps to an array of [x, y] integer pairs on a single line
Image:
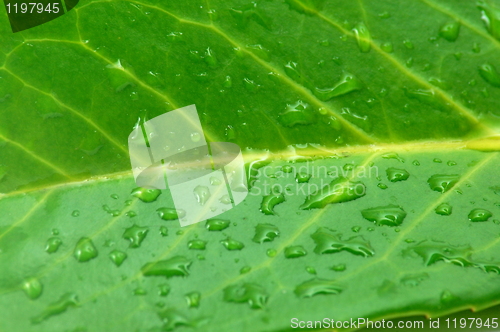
{"points": [[210, 58], [443, 182], [387, 47], [163, 289], [348, 83], [393, 155], [163, 231], [175, 266], [362, 37], [75, 213], [145, 194], [491, 18], [65, 301], [202, 194], [231, 244], [338, 191], [408, 44], [302, 177], [397, 174], [310, 270], [382, 186], [33, 288], [245, 269], [217, 224], [193, 299], [295, 251], [170, 213], [390, 215], [271, 252], [270, 201], [140, 291], [317, 286], [135, 234], [338, 268], [444, 209], [450, 31], [117, 257], [299, 113], [265, 233], [328, 242], [480, 215], [85, 250], [197, 244], [413, 280], [250, 293], [53, 244], [490, 74]]}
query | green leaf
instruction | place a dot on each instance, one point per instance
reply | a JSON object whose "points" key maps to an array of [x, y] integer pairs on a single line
{"points": [[377, 122]]}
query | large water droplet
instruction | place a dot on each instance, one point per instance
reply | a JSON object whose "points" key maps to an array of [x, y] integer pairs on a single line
{"points": [[362, 37], [328, 242], [145, 194], [175, 266], [265, 233], [413, 280], [117, 257], [390, 215], [317, 286], [480, 215], [443, 182], [270, 201], [217, 224], [450, 31], [197, 244], [85, 250], [397, 174], [32, 287], [135, 234], [338, 191], [170, 213], [491, 18], [253, 294]]}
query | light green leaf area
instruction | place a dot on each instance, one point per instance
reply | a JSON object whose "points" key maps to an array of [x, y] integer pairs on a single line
{"points": [[77, 251], [375, 119], [264, 75]]}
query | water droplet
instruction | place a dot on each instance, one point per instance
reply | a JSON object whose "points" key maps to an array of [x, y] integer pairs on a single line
{"points": [[175, 37], [32, 287], [490, 74], [348, 83], [397, 174], [338, 191], [131, 214], [145, 194], [443, 182], [287, 169], [270, 201], [135, 234], [444, 209], [225, 199], [65, 301], [53, 244], [317, 286], [390, 215], [210, 58], [193, 299], [310, 270], [355, 229], [416, 163], [271, 252], [140, 291], [476, 48], [170, 213], [75, 213], [302, 177], [408, 44], [250, 85], [363, 37], [295, 251], [245, 269], [299, 113], [163, 231], [175, 266], [413, 280], [173, 319], [259, 51], [393, 155], [328, 242], [382, 186], [195, 137], [491, 18], [163, 289], [480, 215], [197, 244], [85, 250], [450, 31], [250, 293], [217, 224], [231, 244], [265, 233], [387, 47], [118, 257], [451, 163], [202, 194], [338, 268]]}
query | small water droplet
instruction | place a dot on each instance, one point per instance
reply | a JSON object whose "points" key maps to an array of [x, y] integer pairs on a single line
{"points": [[490, 74], [118, 257], [390, 215], [393, 155], [145, 194], [175, 266], [338, 268], [245, 269], [408, 44], [131, 214], [231, 244], [413, 280], [382, 186], [139, 291], [270, 201], [444, 209], [75, 213], [443, 182], [387, 47], [210, 58], [397, 174], [202, 194], [85, 250], [271, 252], [328, 242], [355, 229], [480, 215], [163, 231], [299, 113], [197, 244], [250, 293], [53, 244], [32, 287], [348, 83], [163, 289], [450, 31], [363, 37], [170, 213], [135, 234], [193, 299], [491, 18], [317, 286], [295, 251], [65, 301], [217, 224], [338, 191], [476, 48], [265, 233], [310, 270]]}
